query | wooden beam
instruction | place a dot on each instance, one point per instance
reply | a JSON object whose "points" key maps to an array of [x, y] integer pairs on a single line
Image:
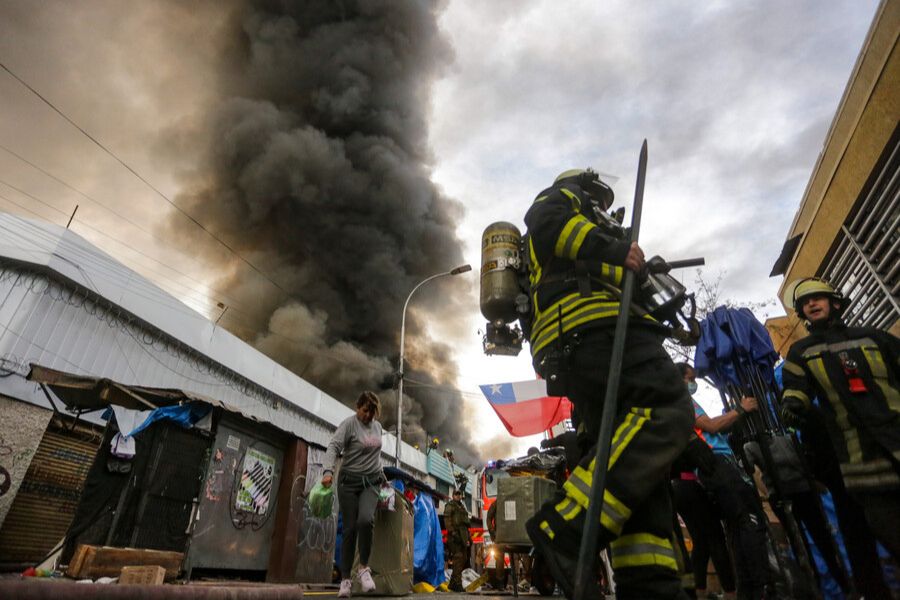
{"points": [[106, 561]]}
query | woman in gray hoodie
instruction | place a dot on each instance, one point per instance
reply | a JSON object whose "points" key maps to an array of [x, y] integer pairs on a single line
{"points": [[358, 438]]}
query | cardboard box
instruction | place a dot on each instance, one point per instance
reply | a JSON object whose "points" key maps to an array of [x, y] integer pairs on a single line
{"points": [[391, 560], [518, 499]]}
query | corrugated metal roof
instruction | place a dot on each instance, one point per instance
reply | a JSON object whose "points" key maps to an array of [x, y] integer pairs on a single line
{"points": [[444, 470], [66, 305]]}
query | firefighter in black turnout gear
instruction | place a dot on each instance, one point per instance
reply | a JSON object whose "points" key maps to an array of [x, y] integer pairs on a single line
{"points": [[456, 520], [854, 372], [576, 265]]}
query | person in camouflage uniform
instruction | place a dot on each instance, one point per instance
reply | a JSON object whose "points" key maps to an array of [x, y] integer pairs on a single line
{"points": [[456, 520]]}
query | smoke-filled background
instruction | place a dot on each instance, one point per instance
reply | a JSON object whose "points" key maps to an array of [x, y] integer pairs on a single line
{"points": [[301, 134], [315, 169], [295, 133]]}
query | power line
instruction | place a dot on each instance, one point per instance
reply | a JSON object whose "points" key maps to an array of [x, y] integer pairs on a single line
{"points": [[327, 353], [204, 295], [87, 256], [138, 175], [86, 196]]}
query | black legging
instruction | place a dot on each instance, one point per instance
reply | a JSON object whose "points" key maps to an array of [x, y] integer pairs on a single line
{"points": [[358, 498], [705, 527]]}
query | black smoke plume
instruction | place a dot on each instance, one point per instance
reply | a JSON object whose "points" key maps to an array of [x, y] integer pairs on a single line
{"points": [[317, 171]]}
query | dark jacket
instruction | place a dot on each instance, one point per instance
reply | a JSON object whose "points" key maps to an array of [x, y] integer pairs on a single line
{"points": [[563, 244], [855, 374], [456, 520]]}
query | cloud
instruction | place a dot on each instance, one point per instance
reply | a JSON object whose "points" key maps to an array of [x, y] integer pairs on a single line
{"points": [[351, 149], [734, 99], [296, 133]]}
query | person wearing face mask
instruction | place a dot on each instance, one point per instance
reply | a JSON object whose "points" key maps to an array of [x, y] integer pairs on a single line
{"points": [[358, 438], [732, 492], [700, 514]]}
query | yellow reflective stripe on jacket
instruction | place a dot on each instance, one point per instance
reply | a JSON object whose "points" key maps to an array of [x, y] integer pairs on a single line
{"points": [[851, 436], [630, 426], [573, 198], [793, 368], [613, 514], [878, 473], [792, 393], [612, 273], [880, 374], [534, 270], [837, 347], [568, 509], [545, 527], [572, 236], [575, 310], [642, 550]]}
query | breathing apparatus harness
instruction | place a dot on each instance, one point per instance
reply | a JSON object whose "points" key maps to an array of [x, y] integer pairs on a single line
{"points": [[506, 290]]}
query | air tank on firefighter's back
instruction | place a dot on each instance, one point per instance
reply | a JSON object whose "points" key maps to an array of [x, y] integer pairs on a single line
{"points": [[499, 272]]}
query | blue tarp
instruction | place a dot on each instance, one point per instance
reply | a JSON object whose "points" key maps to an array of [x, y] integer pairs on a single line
{"points": [[428, 547], [183, 414], [731, 342], [731, 339]]}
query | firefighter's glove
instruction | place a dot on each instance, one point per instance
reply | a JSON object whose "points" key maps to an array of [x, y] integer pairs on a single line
{"points": [[793, 411]]}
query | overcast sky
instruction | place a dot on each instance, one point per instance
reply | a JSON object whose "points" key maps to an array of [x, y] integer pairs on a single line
{"points": [[735, 100]]}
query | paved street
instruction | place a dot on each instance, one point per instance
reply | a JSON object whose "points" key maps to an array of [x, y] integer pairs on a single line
{"points": [[441, 596]]}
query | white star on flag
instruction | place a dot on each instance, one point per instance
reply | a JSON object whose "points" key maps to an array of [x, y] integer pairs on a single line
{"points": [[495, 388]]}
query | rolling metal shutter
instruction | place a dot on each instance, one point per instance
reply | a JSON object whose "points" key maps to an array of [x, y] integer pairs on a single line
{"points": [[43, 508]]}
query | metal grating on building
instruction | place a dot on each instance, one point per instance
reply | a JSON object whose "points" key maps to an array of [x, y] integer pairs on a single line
{"points": [[865, 259], [43, 509]]}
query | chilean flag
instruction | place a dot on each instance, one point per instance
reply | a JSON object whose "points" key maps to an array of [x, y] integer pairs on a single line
{"points": [[524, 406]]}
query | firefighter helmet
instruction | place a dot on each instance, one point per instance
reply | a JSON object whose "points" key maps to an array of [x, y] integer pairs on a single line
{"points": [[801, 289], [589, 181]]}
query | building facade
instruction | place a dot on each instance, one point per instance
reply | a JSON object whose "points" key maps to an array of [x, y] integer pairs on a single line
{"points": [[70, 310], [847, 227]]}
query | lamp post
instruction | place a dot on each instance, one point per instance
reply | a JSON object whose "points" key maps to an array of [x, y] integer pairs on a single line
{"points": [[456, 271]]}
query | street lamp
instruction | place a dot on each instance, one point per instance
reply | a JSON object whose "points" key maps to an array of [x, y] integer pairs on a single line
{"points": [[456, 271]]}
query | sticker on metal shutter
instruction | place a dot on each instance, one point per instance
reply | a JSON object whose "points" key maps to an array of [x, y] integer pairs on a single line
{"points": [[234, 442], [509, 510]]}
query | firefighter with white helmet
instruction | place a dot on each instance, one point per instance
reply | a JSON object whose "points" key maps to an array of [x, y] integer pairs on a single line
{"points": [[578, 256]]}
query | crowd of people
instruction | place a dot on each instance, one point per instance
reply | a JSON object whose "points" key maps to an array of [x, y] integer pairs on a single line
{"points": [[841, 394], [841, 398], [847, 446]]}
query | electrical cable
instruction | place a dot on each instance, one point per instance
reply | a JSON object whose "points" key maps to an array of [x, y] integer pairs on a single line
{"points": [[102, 205], [138, 175], [231, 301], [98, 262], [234, 306]]}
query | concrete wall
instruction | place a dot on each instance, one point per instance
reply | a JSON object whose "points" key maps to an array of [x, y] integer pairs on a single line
{"points": [[21, 428]]}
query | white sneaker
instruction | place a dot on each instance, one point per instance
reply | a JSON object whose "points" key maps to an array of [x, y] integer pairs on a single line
{"points": [[365, 580], [344, 592]]}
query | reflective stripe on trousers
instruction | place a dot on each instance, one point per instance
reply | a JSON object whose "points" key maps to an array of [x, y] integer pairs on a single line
{"points": [[643, 550], [613, 513]]}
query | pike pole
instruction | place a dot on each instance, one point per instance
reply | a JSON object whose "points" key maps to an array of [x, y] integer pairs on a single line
{"points": [[588, 550]]}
